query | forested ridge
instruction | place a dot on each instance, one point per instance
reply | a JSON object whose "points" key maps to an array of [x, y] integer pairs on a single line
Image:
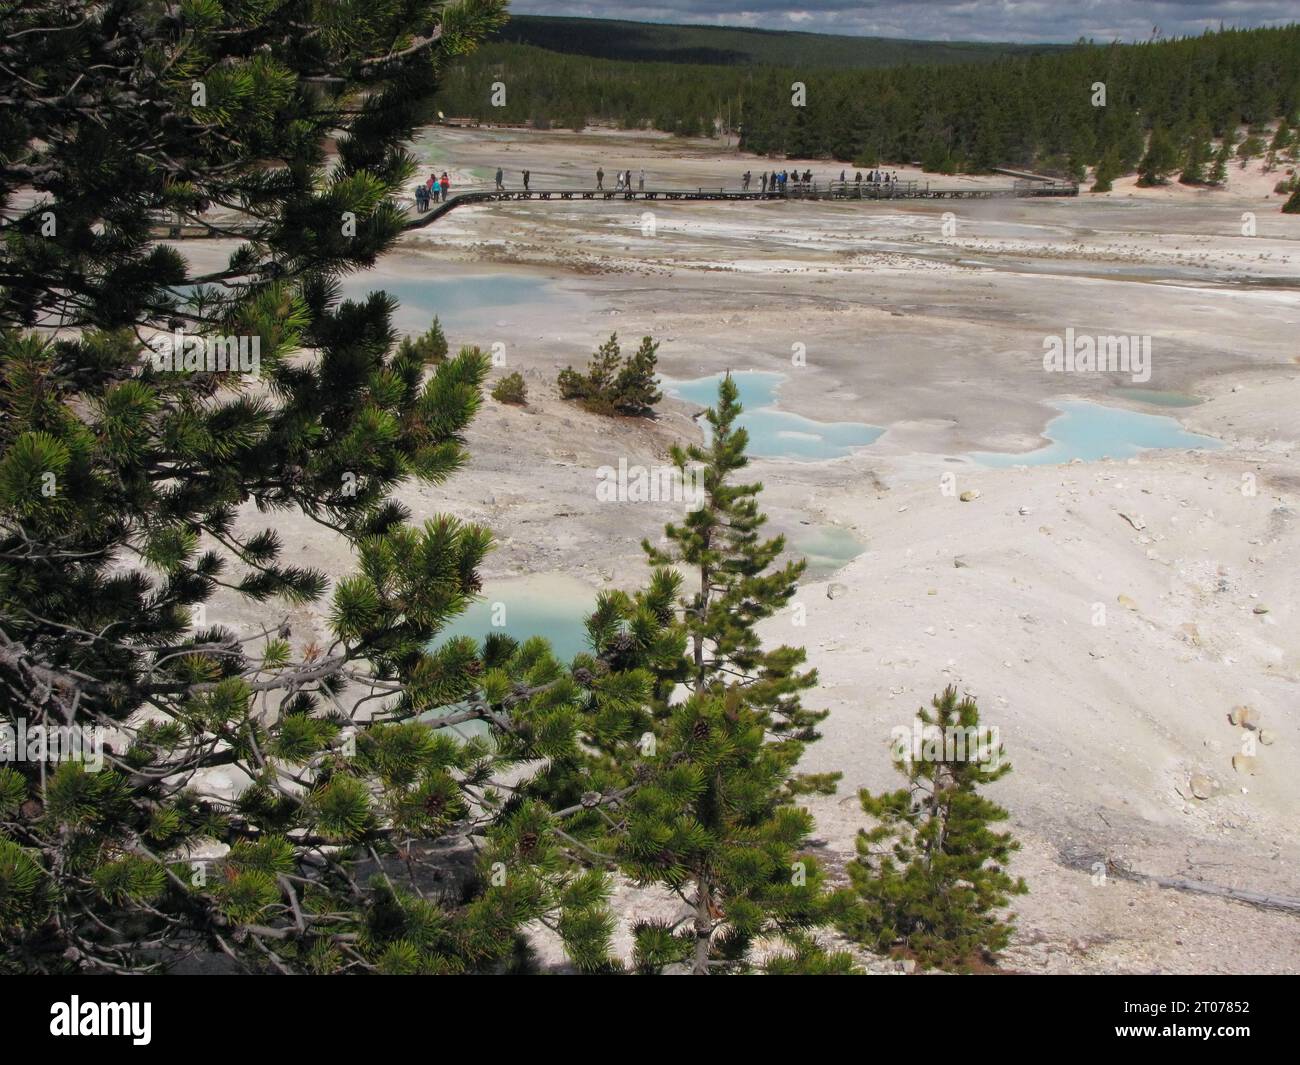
{"points": [[1019, 111], [740, 45]]}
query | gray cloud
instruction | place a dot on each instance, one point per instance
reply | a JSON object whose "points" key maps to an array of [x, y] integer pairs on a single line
{"points": [[945, 20]]}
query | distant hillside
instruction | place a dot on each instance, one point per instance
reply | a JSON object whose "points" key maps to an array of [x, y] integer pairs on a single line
{"points": [[734, 46], [1029, 112]]}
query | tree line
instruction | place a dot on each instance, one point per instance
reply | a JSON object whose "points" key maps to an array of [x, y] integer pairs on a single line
{"points": [[1062, 111]]}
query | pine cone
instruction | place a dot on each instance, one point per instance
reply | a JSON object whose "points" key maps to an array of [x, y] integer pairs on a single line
{"points": [[700, 730]]}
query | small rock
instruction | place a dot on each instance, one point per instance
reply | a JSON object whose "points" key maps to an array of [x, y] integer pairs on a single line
{"points": [[1135, 520], [1261, 609], [1267, 736], [835, 590], [1023, 511], [1244, 763], [969, 495], [1126, 602], [1203, 785], [960, 563]]}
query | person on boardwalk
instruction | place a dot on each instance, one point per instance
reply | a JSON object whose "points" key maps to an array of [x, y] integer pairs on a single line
{"points": [[500, 182], [419, 198], [745, 181], [445, 182], [763, 176], [858, 178], [600, 177], [640, 181], [527, 175]]}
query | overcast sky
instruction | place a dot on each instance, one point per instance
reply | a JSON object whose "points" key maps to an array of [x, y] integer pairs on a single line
{"points": [[946, 20]]}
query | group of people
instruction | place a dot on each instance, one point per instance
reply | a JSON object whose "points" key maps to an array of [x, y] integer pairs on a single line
{"points": [[779, 180], [874, 177], [623, 180], [432, 191]]}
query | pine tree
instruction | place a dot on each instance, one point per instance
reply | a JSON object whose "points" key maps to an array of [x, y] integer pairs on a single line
{"points": [[1107, 170], [714, 816], [1219, 172], [320, 771], [593, 389], [636, 388], [612, 384], [1161, 157], [931, 871], [1195, 158], [1250, 148]]}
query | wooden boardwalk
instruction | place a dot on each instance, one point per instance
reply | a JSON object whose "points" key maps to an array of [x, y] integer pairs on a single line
{"points": [[834, 191]]}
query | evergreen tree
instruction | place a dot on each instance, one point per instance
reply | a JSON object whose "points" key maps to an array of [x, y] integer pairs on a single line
{"points": [[931, 871], [593, 389], [1161, 157], [1107, 171], [1196, 157], [320, 771], [636, 388], [1250, 148], [612, 384], [1219, 172], [1292, 205], [714, 816], [430, 348]]}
